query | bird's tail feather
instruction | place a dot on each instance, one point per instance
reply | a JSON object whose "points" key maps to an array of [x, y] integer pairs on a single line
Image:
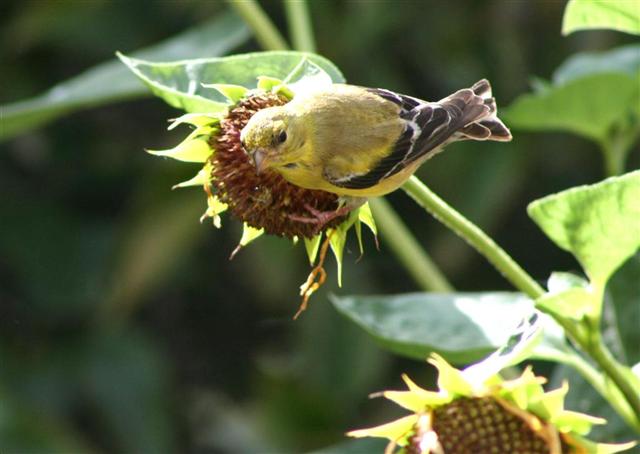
{"points": [[479, 119]]}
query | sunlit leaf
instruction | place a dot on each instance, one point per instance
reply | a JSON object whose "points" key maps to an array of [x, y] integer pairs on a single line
{"points": [[621, 15], [596, 223], [590, 106], [183, 84], [462, 327], [625, 59], [623, 294]]}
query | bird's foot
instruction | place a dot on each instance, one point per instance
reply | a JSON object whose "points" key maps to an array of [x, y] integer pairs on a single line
{"points": [[320, 218]]}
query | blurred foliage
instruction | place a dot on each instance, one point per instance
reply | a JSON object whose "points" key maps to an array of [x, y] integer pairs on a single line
{"points": [[123, 325]]}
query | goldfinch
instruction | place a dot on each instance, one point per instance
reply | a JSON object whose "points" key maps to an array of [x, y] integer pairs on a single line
{"points": [[361, 142]]}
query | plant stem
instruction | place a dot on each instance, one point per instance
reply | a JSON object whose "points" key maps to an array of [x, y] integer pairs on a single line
{"points": [[603, 357], [596, 379], [300, 25], [613, 159], [474, 236], [407, 249], [254, 16]]}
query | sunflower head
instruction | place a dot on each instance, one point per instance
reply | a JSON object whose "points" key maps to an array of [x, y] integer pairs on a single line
{"points": [[491, 416], [264, 201]]}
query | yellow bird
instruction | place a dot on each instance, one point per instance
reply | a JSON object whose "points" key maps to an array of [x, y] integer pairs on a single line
{"points": [[361, 142]]}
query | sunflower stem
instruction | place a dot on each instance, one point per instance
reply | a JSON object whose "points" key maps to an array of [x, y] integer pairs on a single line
{"points": [[300, 26], [599, 383], [254, 16], [474, 236], [611, 367], [407, 249]]}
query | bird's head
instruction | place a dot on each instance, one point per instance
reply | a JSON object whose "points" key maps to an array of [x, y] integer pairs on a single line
{"points": [[273, 138]]}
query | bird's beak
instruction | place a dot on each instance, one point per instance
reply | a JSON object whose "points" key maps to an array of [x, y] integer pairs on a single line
{"points": [[259, 160]]}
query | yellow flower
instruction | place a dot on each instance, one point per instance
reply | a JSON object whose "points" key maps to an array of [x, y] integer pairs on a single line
{"points": [[264, 202], [488, 416]]}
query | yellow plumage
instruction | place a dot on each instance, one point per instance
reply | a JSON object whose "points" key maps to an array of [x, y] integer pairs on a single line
{"points": [[361, 142]]}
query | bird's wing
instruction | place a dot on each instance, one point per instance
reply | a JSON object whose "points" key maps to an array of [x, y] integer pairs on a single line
{"points": [[427, 126]]}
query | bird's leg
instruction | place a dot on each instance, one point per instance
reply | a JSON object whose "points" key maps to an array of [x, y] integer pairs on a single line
{"points": [[322, 218]]}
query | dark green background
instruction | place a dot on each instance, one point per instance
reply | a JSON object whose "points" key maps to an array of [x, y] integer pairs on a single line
{"points": [[123, 325]]}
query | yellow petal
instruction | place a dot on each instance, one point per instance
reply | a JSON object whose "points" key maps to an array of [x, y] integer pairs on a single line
{"points": [[200, 179], [249, 234], [393, 431], [417, 401], [214, 208], [192, 149], [583, 446], [551, 403], [580, 423], [450, 379], [195, 119]]}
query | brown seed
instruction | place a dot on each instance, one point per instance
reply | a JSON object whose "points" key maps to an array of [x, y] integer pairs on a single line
{"points": [[497, 431]]}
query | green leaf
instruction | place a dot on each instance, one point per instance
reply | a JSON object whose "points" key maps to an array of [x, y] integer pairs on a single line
{"points": [[110, 81], [591, 106], [596, 223], [620, 15], [180, 83], [462, 327], [623, 294], [570, 297], [625, 59]]}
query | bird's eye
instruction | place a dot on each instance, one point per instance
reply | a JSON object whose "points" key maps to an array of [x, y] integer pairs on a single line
{"points": [[244, 144], [282, 137]]}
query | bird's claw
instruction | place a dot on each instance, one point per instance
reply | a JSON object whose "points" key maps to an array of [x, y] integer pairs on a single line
{"points": [[320, 218]]}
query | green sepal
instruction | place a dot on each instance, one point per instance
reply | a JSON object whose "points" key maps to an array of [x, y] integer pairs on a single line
{"points": [[366, 217], [312, 245], [233, 93], [273, 85], [338, 239]]}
